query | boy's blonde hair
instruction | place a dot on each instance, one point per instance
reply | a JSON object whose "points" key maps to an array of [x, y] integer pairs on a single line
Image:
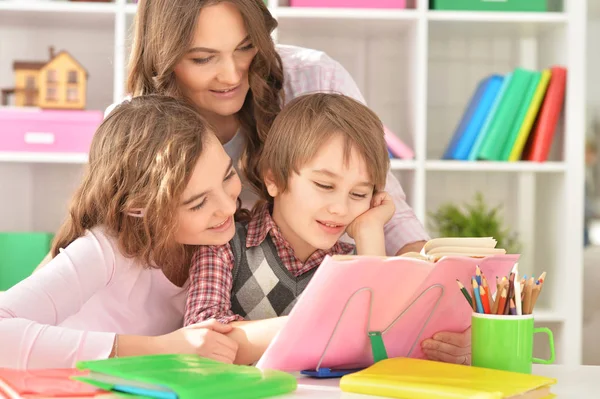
{"points": [[141, 157], [308, 122]]}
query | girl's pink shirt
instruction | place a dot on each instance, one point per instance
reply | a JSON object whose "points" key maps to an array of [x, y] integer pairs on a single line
{"points": [[71, 309]]}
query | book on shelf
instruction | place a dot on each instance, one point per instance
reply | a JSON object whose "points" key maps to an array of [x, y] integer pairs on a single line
{"points": [[511, 117]]}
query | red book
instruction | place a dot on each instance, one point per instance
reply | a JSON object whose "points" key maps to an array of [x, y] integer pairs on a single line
{"points": [[539, 142]]}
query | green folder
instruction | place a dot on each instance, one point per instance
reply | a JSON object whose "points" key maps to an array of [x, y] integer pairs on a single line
{"points": [[175, 376], [508, 108], [518, 122]]}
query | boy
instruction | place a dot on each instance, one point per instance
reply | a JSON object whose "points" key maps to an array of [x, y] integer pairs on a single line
{"points": [[324, 165]]}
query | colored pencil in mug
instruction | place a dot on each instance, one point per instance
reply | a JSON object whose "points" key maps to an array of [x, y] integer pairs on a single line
{"points": [[465, 293], [535, 293], [478, 275], [542, 278], [488, 294], [476, 295], [510, 292], [527, 297], [485, 301], [512, 309], [517, 297], [501, 302]]}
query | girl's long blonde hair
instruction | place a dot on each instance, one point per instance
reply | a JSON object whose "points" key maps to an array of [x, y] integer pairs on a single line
{"points": [[141, 158], [163, 33]]}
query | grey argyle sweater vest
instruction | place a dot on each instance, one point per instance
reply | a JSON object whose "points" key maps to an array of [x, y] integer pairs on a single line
{"points": [[262, 286]]}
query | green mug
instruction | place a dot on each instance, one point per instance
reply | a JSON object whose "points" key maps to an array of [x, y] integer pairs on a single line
{"points": [[506, 342]]}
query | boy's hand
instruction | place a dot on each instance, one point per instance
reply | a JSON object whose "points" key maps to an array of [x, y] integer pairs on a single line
{"points": [[381, 211], [449, 347]]}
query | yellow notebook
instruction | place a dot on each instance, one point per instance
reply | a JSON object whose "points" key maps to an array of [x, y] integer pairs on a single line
{"points": [[408, 378], [530, 116]]}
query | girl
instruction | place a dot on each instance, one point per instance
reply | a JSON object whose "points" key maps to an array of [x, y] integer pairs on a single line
{"points": [[323, 166], [158, 184]]}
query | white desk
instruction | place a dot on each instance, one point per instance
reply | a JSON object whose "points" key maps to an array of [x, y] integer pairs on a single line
{"points": [[580, 382], [573, 383]]}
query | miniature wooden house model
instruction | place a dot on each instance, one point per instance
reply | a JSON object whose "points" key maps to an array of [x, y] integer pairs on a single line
{"points": [[60, 83]]}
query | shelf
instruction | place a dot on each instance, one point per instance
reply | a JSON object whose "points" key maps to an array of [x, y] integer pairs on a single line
{"points": [[130, 8], [496, 23], [485, 166], [353, 22], [39, 157], [346, 13], [402, 164], [513, 17], [59, 7], [57, 14], [548, 316]]}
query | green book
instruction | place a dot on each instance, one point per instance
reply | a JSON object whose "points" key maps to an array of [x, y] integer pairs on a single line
{"points": [[184, 377], [508, 108], [507, 147]]}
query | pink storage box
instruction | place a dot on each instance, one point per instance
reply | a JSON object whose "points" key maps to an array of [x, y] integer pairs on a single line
{"points": [[349, 3], [27, 130]]}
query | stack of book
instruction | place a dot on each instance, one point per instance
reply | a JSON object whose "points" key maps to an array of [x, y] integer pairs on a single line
{"points": [[511, 117]]}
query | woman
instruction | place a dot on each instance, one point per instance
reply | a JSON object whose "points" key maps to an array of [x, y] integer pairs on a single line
{"points": [[219, 54]]}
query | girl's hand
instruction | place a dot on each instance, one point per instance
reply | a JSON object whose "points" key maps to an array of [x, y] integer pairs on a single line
{"points": [[381, 211], [205, 339]]}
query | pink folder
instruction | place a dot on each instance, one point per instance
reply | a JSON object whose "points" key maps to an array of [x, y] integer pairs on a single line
{"points": [[349, 296], [44, 383]]}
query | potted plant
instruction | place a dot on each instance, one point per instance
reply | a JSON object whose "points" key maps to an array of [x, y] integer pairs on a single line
{"points": [[473, 220]]}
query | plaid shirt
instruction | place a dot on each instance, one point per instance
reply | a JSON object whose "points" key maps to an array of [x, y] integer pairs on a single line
{"points": [[211, 278]]}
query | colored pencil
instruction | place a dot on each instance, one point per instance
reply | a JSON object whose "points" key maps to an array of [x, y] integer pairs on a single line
{"points": [[527, 296], [485, 301], [518, 299], [535, 292], [488, 294], [478, 275], [465, 293], [510, 292], [476, 295], [502, 302], [542, 278], [512, 309]]}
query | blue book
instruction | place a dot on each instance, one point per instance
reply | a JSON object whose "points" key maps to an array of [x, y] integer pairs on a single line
{"points": [[488, 119], [467, 119], [473, 128]]}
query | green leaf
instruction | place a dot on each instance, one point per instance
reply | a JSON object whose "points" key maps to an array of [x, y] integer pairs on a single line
{"points": [[474, 219]]}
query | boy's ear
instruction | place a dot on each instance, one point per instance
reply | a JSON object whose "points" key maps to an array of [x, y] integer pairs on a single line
{"points": [[269, 181]]}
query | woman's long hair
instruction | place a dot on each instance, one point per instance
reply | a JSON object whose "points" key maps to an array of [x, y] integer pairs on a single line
{"points": [[163, 33]]}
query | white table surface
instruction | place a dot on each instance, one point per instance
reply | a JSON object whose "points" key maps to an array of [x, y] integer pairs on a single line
{"points": [[579, 382], [572, 383]]}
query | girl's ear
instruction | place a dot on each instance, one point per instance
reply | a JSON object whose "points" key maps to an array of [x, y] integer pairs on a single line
{"points": [[270, 184]]}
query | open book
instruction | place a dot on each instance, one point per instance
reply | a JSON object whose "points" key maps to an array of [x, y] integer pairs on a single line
{"points": [[475, 247], [353, 301]]}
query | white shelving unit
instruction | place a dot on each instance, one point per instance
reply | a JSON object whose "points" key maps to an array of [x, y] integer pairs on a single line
{"points": [[417, 69]]}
